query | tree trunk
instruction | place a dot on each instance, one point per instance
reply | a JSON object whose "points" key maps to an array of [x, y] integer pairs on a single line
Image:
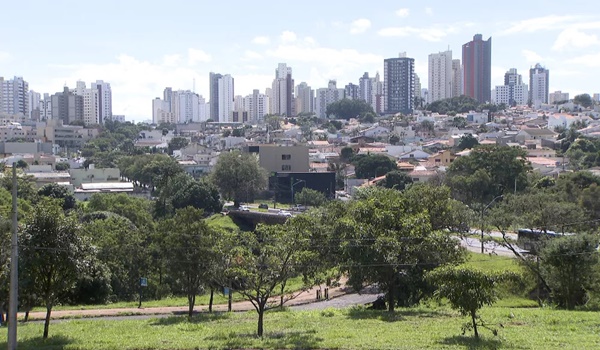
{"points": [[229, 302], [210, 301], [281, 296], [47, 322], [391, 297], [26, 316], [191, 302], [474, 320], [261, 312]]}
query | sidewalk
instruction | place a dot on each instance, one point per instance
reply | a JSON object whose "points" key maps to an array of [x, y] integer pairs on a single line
{"points": [[305, 297]]}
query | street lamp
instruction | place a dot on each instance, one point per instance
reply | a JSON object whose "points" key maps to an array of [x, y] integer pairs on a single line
{"points": [[482, 213]]}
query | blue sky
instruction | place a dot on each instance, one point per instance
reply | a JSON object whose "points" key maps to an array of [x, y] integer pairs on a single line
{"points": [[142, 46]]}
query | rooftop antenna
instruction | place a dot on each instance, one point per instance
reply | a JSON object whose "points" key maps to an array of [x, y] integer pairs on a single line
{"points": [[194, 85]]}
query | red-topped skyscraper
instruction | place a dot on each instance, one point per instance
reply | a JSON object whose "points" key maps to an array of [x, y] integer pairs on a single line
{"points": [[477, 68]]}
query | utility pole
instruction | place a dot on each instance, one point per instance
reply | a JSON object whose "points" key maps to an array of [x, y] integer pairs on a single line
{"points": [[14, 269]]}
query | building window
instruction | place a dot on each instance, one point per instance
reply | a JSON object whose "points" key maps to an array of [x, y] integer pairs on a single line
{"points": [[286, 156], [286, 167]]}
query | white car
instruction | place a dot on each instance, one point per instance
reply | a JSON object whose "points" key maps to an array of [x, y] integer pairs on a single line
{"points": [[244, 208], [284, 213]]}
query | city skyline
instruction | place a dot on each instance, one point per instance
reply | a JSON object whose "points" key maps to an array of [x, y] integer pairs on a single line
{"points": [[139, 57]]}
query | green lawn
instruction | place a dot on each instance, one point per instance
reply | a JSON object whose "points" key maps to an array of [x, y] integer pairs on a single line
{"points": [[357, 328], [487, 262]]}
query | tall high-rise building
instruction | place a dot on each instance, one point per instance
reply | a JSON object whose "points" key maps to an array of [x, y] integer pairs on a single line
{"points": [[257, 105], [377, 97], [513, 92], [399, 84], [477, 68], [327, 96], [539, 85], [67, 106], [440, 76], [305, 97], [213, 84], [457, 78], [226, 95], [352, 91], [34, 104], [104, 100], [365, 87], [14, 97], [283, 91]]}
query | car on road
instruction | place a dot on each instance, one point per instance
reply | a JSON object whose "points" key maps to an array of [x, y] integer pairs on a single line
{"points": [[244, 208], [263, 206], [284, 213]]}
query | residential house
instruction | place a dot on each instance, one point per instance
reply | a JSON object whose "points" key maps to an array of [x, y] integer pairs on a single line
{"points": [[444, 158], [530, 134], [415, 154]]}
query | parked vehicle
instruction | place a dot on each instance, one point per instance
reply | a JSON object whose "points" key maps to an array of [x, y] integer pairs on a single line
{"points": [[284, 213], [263, 206], [244, 208]]}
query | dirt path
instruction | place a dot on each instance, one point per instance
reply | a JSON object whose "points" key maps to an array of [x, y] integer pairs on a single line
{"points": [[303, 298]]}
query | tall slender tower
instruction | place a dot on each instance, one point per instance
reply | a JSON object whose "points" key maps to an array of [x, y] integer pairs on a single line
{"points": [[214, 95], [477, 64], [539, 82], [399, 84], [440, 76]]}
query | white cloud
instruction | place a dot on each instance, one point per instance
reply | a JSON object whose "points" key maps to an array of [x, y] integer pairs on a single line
{"points": [[4, 56], [197, 56], [531, 56], [252, 55], [361, 25], [574, 38], [404, 12], [288, 37], [532, 25], [590, 60], [429, 11], [261, 40], [172, 60], [428, 34]]}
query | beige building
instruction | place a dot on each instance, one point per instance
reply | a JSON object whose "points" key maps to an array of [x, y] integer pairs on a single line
{"points": [[286, 159], [90, 175]]}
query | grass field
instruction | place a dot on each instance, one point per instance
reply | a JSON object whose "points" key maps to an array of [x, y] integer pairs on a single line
{"points": [[356, 328]]}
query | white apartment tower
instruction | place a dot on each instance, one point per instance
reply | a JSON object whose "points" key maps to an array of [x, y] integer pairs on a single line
{"points": [[104, 100], [539, 82], [326, 96], [14, 97], [440, 76], [305, 97], [283, 88], [513, 92], [257, 105], [226, 96], [34, 104]]}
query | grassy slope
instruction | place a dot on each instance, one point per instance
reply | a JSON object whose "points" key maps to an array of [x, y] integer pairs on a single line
{"points": [[416, 328]]}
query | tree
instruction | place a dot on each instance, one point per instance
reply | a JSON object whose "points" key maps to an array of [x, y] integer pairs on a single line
{"points": [[346, 154], [308, 196], [468, 290], [123, 248], [185, 191], [136, 209], [394, 139], [467, 142], [238, 176], [487, 172], [187, 248], [62, 166], [584, 100], [56, 191], [177, 143], [53, 253], [261, 261], [347, 109], [371, 166], [570, 267], [383, 240], [459, 122], [427, 125], [398, 180], [459, 104]]}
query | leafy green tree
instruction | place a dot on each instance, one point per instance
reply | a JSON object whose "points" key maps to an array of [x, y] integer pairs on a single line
{"points": [[62, 166], [177, 143], [584, 100], [54, 190], [459, 104], [487, 172], [123, 248], [371, 166], [347, 109], [136, 209], [394, 139], [273, 121], [570, 267], [188, 251], [21, 164], [238, 176], [467, 141], [26, 188], [459, 122], [427, 125], [185, 191], [346, 154], [261, 261], [53, 253], [398, 180], [383, 240], [468, 290], [308, 196]]}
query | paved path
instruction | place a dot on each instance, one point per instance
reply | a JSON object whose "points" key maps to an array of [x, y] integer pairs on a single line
{"points": [[306, 297]]}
